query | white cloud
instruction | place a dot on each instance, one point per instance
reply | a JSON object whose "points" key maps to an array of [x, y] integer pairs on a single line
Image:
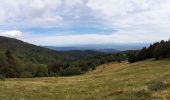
{"points": [[12, 34], [25, 12], [72, 3], [147, 20], [42, 13], [133, 20], [92, 39], [119, 37], [47, 21], [77, 17]]}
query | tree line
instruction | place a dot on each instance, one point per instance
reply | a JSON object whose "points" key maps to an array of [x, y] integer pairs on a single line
{"points": [[156, 50], [85, 65], [13, 67]]}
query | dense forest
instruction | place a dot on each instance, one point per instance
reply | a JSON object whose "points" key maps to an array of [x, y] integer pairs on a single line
{"points": [[20, 59], [85, 65], [156, 50]]}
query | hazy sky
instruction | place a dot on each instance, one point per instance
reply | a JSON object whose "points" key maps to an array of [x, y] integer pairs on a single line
{"points": [[67, 22]]}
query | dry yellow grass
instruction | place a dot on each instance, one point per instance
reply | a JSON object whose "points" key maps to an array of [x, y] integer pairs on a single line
{"points": [[117, 81]]}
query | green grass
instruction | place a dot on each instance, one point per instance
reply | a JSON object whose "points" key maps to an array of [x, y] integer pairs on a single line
{"points": [[117, 81]]}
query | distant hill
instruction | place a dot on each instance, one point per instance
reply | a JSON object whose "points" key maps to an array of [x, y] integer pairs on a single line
{"points": [[104, 50], [37, 54], [108, 50], [75, 55], [26, 51]]}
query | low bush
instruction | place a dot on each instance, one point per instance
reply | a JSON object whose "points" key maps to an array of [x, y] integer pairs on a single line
{"points": [[26, 75], [142, 93], [70, 71], [2, 78], [157, 85]]}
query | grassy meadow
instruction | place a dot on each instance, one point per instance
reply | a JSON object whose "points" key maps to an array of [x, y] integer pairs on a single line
{"points": [[146, 80]]}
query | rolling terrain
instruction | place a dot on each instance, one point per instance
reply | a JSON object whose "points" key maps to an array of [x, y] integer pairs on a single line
{"points": [[37, 54], [27, 52], [101, 49], [145, 80], [19, 59]]}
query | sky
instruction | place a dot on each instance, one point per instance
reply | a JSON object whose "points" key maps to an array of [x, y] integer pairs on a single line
{"points": [[77, 22]]}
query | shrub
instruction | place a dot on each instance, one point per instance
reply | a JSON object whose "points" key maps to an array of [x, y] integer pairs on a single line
{"points": [[42, 71], [52, 74], [142, 93], [26, 75], [2, 77], [132, 56], [70, 71], [158, 85]]}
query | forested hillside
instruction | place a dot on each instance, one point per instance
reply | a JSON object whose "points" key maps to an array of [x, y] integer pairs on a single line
{"points": [[20, 59], [37, 54], [27, 52], [156, 50]]}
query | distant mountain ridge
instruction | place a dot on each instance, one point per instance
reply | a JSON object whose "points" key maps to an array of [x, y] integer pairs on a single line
{"points": [[106, 48], [82, 49]]}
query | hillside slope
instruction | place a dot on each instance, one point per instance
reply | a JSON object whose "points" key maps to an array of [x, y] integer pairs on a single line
{"points": [[37, 54], [118, 81], [26, 51]]}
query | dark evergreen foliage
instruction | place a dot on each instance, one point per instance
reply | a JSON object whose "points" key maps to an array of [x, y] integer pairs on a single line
{"points": [[157, 50], [82, 66]]}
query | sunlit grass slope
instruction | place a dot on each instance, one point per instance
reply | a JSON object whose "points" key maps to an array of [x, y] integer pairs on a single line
{"points": [[118, 81]]}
